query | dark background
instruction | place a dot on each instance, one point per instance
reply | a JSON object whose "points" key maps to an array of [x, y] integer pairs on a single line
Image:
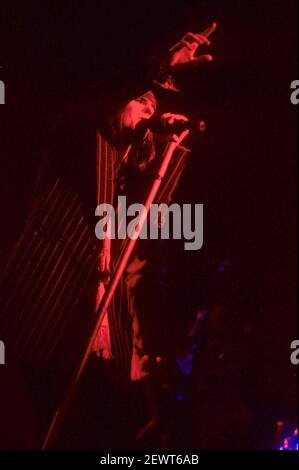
{"points": [[243, 170]]}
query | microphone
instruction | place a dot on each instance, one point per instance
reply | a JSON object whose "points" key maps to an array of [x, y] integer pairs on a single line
{"points": [[157, 124]]}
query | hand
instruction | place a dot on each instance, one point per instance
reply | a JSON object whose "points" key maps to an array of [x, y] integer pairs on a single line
{"points": [[169, 118], [182, 54]]}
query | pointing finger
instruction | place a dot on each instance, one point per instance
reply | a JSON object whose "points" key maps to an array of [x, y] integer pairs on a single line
{"points": [[209, 30]]}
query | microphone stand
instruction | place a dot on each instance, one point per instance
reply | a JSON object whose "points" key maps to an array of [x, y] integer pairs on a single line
{"points": [[109, 292]]}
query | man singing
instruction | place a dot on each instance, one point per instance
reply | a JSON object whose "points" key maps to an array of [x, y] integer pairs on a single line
{"points": [[55, 278]]}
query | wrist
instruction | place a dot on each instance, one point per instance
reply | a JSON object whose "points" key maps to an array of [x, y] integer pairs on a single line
{"points": [[165, 77]]}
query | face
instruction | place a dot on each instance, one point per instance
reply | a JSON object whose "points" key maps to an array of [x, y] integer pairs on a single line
{"points": [[135, 111]]}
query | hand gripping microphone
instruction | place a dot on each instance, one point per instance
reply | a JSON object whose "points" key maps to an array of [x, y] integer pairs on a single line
{"points": [[159, 125]]}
